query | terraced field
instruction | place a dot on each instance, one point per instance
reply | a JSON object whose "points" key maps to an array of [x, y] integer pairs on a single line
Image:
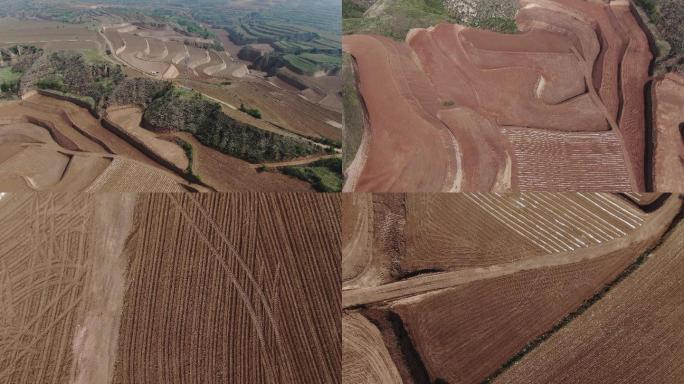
{"points": [[74, 151], [213, 288], [53, 145], [166, 54], [557, 106], [457, 287]]}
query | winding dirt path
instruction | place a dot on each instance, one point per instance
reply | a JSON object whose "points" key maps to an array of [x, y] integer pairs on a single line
{"points": [[655, 225]]}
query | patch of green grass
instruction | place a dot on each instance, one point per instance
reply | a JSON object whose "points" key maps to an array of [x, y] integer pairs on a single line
{"points": [[353, 112], [9, 80], [251, 111], [321, 58], [299, 64], [8, 75], [324, 175], [92, 56], [651, 9], [351, 9], [190, 154], [496, 24], [397, 17], [54, 83]]}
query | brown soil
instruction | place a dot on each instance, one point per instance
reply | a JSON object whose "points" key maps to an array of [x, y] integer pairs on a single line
{"points": [[535, 110], [668, 112], [233, 288], [213, 288], [397, 159], [632, 335], [459, 315], [365, 358], [130, 117]]}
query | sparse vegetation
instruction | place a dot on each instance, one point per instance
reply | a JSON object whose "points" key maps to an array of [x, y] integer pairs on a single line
{"points": [[667, 24], [74, 73], [324, 175], [190, 154], [254, 112], [326, 141], [353, 112], [185, 110], [394, 18], [351, 9]]}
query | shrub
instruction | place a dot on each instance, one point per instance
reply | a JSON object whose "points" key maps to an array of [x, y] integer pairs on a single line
{"points": [[53, 83], [251, 111]]}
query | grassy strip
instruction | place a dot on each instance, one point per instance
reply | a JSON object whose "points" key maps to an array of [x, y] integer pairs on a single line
{"points": [[496, 24], [326, 141], [398, 17], [9, 80], [353, 112], [324, 175], [250, 111], [190, 154]]}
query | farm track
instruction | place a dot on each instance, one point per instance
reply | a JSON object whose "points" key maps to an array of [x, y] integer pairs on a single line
{"points": [[212, 288], [50, 274], [667, 94], [465, 320], [282, 330], [436, 281]]}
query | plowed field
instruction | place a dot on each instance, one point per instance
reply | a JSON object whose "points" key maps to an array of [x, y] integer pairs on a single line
{"points": [[476, 281], [216, 288]]}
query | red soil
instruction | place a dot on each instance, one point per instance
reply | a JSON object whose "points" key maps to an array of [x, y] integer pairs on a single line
{"points": [[668, 162], [396, 91], [573, 77]]}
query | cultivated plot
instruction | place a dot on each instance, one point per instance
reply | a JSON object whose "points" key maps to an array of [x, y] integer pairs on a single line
{"points": [[173, 288], [474, 288]]}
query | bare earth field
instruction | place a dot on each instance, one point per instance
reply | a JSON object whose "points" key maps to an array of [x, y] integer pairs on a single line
{"points": [[212, 289], [457, 288], [631, 334], [668, 113], [558, 105], [48, 34]]}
